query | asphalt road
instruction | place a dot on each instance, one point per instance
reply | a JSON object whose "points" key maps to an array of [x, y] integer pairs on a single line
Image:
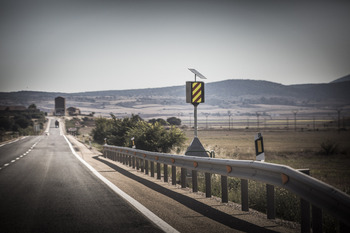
{"points": [[45, 188]]}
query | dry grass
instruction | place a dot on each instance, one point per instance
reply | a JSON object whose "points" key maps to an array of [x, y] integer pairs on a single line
{"points": [[294, 149]]}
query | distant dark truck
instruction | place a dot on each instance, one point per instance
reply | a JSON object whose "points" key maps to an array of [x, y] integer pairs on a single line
{"points": [[57, 123]]}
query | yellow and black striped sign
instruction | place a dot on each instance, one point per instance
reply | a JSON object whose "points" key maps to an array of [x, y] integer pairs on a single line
{"points": [[195, 92]]}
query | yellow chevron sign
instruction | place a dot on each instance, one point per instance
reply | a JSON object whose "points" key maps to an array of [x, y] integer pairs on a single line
{"points": [[195, 92]]}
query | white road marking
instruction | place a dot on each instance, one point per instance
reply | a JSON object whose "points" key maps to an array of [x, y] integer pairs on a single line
{"points": [[146, 212], [21, 156]]}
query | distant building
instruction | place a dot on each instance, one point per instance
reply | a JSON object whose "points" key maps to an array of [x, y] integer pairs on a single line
{"points": [[60, 106], [72, 111]]}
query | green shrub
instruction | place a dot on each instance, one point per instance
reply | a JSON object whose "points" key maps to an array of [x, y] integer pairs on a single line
{"points": [[153, 137], [147, 136]]}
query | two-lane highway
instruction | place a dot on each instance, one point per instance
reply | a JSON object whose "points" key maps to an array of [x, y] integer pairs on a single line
{"points": [[45, 188]]}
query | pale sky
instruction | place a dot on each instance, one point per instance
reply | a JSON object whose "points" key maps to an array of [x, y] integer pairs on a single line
{"points": [[91, 45]]}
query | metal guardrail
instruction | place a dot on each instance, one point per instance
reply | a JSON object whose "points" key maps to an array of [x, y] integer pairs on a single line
{"points": [[316, 192]]}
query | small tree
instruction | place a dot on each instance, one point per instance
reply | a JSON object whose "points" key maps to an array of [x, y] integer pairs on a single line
{"points": [[114, 129], [159, 120], [101, 130], [174, 121]]}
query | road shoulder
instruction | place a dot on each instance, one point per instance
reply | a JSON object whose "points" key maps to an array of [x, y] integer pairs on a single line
{"points": [[181, 208]]}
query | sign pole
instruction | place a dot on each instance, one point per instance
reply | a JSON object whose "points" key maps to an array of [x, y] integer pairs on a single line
{"points": [[195, 112], [195, 96], [195, 120]]}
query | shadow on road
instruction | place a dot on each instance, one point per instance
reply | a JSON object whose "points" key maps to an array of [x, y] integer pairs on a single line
{"points": [[191, 203]]}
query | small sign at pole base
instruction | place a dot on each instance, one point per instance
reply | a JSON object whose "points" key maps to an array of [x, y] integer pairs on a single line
{"points": [[259, 148]]}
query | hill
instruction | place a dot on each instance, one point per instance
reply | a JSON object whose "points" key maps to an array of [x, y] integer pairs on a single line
{"points": [[342, 79], [224, 94]]}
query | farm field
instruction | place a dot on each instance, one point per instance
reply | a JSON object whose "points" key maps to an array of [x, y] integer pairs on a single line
{"points": [[295, 149]]}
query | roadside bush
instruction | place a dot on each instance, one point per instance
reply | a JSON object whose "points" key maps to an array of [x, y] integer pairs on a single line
{"points": [[329, 147], [159, 120], [174, 121], [151, 137]]}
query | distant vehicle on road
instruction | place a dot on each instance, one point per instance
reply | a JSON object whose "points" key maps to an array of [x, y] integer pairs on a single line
{"points": [[57, 123]]}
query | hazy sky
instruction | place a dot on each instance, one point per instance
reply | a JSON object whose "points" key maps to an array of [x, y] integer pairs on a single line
{"points": [[73, 46]]}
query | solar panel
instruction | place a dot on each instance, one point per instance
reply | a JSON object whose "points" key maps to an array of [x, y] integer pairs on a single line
{"points": [[197, 73]]}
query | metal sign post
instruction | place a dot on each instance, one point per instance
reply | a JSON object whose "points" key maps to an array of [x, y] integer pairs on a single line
{"points": [[195, 96]]}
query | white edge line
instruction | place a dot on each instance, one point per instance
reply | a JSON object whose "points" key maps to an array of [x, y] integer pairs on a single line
{"points": [[146, 212]]}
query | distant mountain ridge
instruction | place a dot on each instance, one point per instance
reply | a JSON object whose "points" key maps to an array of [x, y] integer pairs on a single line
{"points": [[216, 93], [342, 79]]}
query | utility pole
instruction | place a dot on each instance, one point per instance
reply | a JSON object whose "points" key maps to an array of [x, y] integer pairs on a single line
{"points": [[257, 119], [295, 120], [206, 116], [339, 110], [229, 119]]}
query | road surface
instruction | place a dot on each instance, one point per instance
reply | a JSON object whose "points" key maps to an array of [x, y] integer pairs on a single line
{"points": [[45, 188]]}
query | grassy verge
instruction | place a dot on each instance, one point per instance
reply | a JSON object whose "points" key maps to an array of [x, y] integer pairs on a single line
{"points": [[294, 149]]}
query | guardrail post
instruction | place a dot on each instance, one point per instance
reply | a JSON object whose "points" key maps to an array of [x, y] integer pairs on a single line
{"points": [[316, 219], [142, 164], [133, 161], [207, 184], [146, 166], [183, 177], [137, 164], [123, 159], [343, 228], [173, 175], [224, 191], [165, 166], [152, 168], [305, 210], [194, 181], [244, 195], [158, 171], [270, 193], [130, 160]]}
